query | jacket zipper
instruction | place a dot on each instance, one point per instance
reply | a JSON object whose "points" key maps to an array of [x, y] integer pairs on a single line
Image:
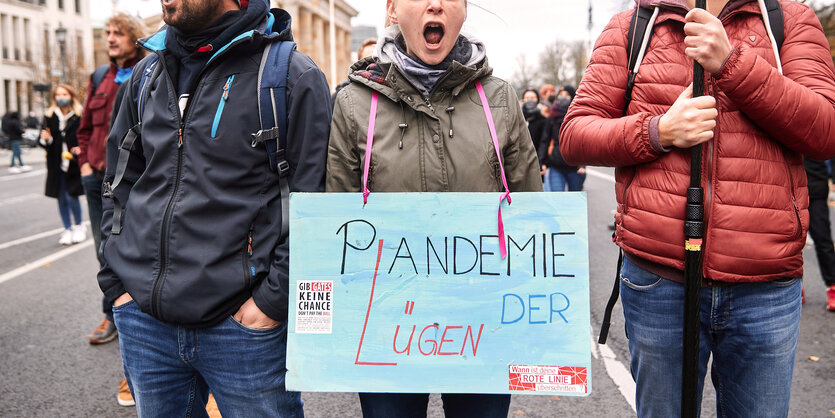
{"points": [[224, 97], [708, 174], [156, 304], [799, 225], [249, 271]]}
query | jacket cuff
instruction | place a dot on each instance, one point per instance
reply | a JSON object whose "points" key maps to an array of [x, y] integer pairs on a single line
{"points": [[722, 67], [113, 293], [82, 158], [265, 300], [730, 64], [654, 137]]}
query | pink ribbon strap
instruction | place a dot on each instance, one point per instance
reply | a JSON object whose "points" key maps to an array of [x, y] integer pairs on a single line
{"points": [[506, 194], [369, 142]]}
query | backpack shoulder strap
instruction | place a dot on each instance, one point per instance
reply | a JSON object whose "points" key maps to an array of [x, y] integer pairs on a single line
{"points": [[98, 77], [151, 71], [272, 109], [637, 41], [775, 19]]}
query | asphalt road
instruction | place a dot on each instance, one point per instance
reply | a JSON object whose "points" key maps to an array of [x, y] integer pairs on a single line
{"points": [[49, 301]]}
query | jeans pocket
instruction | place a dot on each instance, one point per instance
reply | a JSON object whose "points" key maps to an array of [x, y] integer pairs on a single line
{"points": [[637, 278], [785, 282], [254, 331]]}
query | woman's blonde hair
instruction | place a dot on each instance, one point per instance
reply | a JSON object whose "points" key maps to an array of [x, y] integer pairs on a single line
{"points": [[77, 108]]}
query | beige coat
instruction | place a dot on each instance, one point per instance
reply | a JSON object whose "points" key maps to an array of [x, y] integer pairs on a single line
{"points": [[442, 150]]}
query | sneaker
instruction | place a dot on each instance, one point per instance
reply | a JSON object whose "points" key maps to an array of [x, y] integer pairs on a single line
{"points": [[65, 238], [124, 397], [14, 170], [79, 234], [104, 333], [830, 298], [25, 168]]}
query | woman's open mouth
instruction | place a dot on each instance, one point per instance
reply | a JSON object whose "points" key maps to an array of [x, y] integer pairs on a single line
{"points": [[433, 33]]}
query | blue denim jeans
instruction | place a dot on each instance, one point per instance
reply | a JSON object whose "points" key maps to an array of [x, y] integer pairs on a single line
{"points": [[750, 328], [171, 370], [67, 204], [15, 144], [413, 405], [556, 181]]}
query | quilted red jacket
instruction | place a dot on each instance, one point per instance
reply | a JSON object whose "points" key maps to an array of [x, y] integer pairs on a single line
{"points": [[755, 188]]}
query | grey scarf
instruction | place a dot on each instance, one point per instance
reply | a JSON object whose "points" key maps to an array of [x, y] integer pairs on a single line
{"points": [[392, 49]]}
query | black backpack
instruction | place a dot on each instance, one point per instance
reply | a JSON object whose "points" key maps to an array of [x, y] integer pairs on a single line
{"points": [[637, 41], [97, 77]]}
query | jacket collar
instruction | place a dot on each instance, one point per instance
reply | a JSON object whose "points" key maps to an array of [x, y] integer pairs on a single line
{"points": [[275, 27], [680, 7], [389, 81]]}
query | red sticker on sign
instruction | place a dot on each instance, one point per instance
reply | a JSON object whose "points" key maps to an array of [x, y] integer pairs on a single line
{"points": [[547, 379]]}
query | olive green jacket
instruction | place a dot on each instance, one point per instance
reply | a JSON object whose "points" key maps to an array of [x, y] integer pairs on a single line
{"points": [[445, 145]]}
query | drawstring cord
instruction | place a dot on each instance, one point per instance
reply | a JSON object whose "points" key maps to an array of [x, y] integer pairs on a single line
{"points": [[449, 111], [403, 125]]}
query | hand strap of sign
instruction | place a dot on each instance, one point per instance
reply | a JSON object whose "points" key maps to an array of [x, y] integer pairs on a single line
{"points": [[506, 194], [369, 141]]}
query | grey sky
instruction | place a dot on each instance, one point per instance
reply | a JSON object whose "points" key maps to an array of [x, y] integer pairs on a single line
{"points": [[522, 26]]}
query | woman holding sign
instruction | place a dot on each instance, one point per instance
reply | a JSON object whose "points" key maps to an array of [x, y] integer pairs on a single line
{"points": [[443, 124]]}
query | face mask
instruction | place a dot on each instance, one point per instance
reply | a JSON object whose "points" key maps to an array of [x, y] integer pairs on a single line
{"points": [[62, 102], [563, 101], [552, 97], [529, 107]]}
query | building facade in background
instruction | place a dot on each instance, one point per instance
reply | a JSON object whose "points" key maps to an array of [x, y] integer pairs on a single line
{"points": [[30, 54]]}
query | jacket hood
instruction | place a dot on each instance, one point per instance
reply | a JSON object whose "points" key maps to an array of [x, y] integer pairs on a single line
{"points": [[382, 69], [276, 26]]}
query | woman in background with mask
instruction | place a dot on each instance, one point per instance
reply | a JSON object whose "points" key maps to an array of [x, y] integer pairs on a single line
{"points": [[63, 176], [558, 174], [536, 119]]}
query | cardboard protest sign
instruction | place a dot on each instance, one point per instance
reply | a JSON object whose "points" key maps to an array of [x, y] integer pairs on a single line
{"points": [[410, 294]]}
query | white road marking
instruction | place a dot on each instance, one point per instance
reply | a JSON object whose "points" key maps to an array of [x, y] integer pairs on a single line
{"points": [[618, 373], [45, 260], [616, 370], [35, 237], [11, 177], [19, 199]]}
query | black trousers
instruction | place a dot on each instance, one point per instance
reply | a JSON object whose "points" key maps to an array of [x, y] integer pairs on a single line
{"points": [[821, 233]]}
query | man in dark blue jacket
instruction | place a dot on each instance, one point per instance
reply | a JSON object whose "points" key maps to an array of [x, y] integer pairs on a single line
{"points": [[197, 272]]}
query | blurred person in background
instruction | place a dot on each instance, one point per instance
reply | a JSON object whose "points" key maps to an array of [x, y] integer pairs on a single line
{"points": [[121, 33], [12, 127], [559, 175], [63, 177]]}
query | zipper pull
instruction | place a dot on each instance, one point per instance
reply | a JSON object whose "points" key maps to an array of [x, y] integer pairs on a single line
{"points": [[249, 244], [794, 202], [180, 138], [226, 88]]}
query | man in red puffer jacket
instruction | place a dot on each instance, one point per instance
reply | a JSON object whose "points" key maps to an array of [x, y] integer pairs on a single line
{"points": [[753, 127]]}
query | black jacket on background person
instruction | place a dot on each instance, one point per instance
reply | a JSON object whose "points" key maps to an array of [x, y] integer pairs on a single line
{"points": [[191, 209], [551, 143], [537, 126], [12, 127], [54, 158]]}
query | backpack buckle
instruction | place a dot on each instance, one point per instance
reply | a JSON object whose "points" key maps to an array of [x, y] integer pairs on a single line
{"points": [[263, 136], [107, 190]]}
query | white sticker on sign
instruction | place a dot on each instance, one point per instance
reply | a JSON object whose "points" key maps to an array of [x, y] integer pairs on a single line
{"points": [[314, 308]]}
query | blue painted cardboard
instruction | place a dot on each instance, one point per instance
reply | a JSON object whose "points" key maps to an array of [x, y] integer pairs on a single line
{"points": [[409, 293]]}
